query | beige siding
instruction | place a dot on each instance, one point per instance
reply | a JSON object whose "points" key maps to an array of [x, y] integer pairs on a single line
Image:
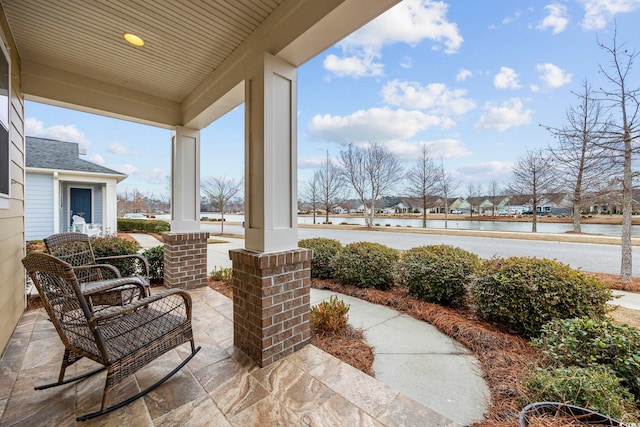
{"points": [[12, 298]]}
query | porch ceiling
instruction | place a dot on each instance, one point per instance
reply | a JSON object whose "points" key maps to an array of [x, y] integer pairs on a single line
{"points": [[190, 69]]}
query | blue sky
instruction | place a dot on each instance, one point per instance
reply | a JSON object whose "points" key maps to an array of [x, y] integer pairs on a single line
{"points": [[470, 79]]}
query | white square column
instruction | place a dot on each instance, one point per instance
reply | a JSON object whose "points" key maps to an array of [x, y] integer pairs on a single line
{"points": [[271, 222], [185, 180]]}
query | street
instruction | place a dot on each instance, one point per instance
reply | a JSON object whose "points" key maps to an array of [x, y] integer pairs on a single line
{"points": [[599, 258]]}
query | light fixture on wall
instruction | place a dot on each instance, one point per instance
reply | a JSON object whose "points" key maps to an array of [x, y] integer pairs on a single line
{"points": [[134, 39]]}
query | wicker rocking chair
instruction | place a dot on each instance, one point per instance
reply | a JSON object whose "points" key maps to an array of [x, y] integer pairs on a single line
{"points": [[75, 248], [122, 339]]}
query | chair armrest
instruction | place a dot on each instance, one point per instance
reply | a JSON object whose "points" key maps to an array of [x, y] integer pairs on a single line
{"points": [[107, 271], [112, 313], [125, 258]]}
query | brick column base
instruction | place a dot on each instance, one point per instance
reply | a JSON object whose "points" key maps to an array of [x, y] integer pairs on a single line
{"points": [[185, 259], [271, 295]]}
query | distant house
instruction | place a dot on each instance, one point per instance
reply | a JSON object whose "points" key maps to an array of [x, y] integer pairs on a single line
{"points": [[59, 184]]}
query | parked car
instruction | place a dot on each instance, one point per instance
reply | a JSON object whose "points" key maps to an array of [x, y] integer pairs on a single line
{"points": [[456, 211], [134, 216]]}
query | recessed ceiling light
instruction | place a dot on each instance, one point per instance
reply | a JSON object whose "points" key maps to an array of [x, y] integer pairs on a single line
{"points": [[133, 39]]}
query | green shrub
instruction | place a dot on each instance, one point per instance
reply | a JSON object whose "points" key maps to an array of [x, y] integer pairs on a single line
{"points": [[127, 225], [324, 250], [437, 273], [155, 256], [224, 274], [366, 265], [585, 342], [114, 246], [330, 316], [524, 293], [597, 389]]}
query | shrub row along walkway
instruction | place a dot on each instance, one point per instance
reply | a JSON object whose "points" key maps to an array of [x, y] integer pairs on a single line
{"points": [[411, 356]]}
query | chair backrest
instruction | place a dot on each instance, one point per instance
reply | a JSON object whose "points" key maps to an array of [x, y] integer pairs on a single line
{"points": [[74, 248], [62, 297]]}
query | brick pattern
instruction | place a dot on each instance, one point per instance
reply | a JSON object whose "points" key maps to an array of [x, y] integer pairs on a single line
{"points": [[271, 296], [185, 260]]}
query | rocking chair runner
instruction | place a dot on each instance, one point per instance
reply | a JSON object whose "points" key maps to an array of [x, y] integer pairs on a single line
{"points": [[75, 248], [121, 338]]}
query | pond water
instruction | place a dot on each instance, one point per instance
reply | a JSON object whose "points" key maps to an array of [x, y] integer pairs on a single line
{"points": [[452, 223]]}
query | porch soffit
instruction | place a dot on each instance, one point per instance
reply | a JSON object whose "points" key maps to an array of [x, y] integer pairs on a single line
{"points": [[73, 53]]}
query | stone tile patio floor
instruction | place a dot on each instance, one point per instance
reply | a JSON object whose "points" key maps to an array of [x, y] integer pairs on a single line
{"points": [[219, 387]]}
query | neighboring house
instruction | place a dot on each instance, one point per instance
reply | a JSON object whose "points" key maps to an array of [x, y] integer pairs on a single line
{"points": [[59, 184]]}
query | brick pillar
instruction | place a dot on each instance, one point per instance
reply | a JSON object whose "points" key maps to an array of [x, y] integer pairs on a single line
{"points": [[271, 296], [185, 259]]}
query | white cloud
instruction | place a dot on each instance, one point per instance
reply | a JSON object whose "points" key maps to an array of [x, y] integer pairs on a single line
{"points": [[435, 97], [507, 78], [599, 12], [485, 172], [69, 133], [463, 75], [375, 124], [310, 162], [98, 159], [410, 22], [509, 114], [513, 18], [552, 75], [126, 169], [117, 148], [354, 66], [556, 19], [406, 62]]}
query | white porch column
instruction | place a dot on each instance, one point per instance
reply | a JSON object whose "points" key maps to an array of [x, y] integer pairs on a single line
{"points": [[185, 180], [110, 209], [271, 155]]}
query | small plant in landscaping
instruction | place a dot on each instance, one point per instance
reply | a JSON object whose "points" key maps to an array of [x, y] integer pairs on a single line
{"points": [[330, 316], [524, 293], [437, 273], [114, 246], [155, 256], [224, 274], [366, 265], [598, 389], [587, 343], [324, 250]]}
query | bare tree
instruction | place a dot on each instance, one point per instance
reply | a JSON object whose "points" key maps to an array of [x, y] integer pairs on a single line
{"points": [[623, 136], [533, 176], [422, 180], [311, 194], [582, 163], [445, 186], [473, 192], [494, 190], [372, 171], [330, 182], [220, 191]]}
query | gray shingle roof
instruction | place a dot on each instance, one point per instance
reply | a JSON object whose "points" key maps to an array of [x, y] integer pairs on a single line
{"points": [[60, 155]]}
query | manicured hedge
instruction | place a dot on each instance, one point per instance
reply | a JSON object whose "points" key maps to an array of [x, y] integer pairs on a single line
{"points": [[127, 225]]}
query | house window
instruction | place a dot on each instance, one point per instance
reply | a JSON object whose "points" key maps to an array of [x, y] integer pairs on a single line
{"points": [[5, 159]]}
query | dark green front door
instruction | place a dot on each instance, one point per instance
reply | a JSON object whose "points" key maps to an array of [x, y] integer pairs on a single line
{"points": [[80, 203]]}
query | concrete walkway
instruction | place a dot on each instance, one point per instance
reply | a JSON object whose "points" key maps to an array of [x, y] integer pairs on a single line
{"points": [[411, 356]]}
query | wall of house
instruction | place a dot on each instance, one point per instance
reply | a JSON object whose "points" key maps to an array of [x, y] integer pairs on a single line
{"points": [[39, 206], [12, 237]]}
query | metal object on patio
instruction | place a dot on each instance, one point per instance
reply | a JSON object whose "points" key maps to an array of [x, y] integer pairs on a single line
{"points": [[121, 339]]}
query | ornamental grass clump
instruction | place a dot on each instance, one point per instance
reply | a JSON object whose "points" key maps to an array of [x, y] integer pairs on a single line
{"points": [[591, 343], [330, 316], [366, 265], [324, 250], [437, 273], [595, 388], [522, 294]]}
